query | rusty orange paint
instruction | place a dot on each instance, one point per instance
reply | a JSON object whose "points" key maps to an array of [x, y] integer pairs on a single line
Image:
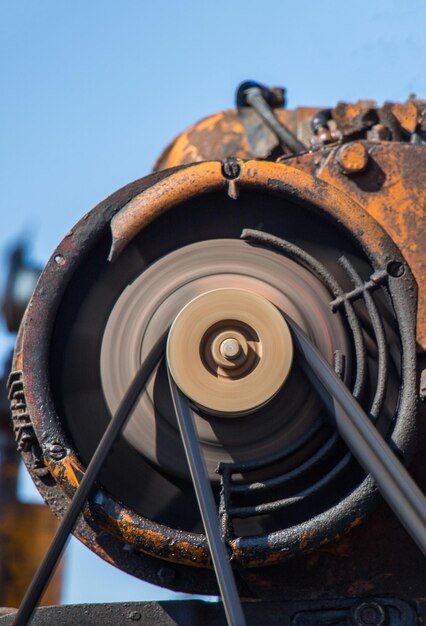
{"points": [[203, 177], [353, 157], [222, 135], [66, 471], [158, 543], [219, 134], [128, 526], [406, 113], [271, 558], [397, 206], [183, 184], [356, 522], [392, 190]]}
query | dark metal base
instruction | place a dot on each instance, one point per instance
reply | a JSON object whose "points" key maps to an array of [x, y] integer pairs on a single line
{"points": [[339, 612]]}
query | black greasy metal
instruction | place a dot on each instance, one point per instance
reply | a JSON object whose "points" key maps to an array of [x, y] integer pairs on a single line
{"points": [[336, 611], [225, 577], [320, 120], [47, 566], [379, 332]]}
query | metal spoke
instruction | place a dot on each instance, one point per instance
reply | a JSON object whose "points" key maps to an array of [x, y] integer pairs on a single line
{"points": [[44, 572], [371, 450], [204, 493]]}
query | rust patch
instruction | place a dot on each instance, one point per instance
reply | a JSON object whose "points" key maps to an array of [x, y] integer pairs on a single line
{"points": [[222, 135], [393, 190], [179, 186], [66, 471], [306, 539], [354, 118], [353, 157], [406, 113]]}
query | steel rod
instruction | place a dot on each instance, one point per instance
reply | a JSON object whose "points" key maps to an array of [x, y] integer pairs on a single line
{"points": [[45, 570], [364, 440], [225, 577], [286, 138]]}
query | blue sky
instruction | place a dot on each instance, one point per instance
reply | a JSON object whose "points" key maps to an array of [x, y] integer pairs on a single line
{"points": [[93, 91]]}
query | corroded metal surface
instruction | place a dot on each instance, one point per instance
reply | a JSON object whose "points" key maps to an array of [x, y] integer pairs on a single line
{"points": [[196, 612], [392, 189], [66, 468], [232, 134], [364, 163]]}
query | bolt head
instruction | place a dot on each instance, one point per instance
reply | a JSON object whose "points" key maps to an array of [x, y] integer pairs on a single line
{"points": [[230, 348], [353, 158], [56, 451], [135, 616], [368, 614], [166, 575], [231, 168]]}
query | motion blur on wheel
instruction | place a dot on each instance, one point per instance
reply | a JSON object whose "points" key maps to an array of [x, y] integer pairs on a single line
{"points": [[255, 222]]}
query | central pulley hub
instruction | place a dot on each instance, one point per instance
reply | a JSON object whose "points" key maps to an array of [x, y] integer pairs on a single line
{"points": [[230, 351]]}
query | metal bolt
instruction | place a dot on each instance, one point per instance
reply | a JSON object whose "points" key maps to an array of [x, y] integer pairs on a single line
{"points": [[166, 575], [135, 616], [56, 451], [353, 158], [230, 348], [368, 614], [231, 168]]}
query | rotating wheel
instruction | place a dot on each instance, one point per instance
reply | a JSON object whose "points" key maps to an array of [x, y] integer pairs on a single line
{"points": [[229, 350]]}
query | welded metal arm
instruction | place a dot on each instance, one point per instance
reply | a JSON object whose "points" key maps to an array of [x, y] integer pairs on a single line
{"points": [[364, 440]]}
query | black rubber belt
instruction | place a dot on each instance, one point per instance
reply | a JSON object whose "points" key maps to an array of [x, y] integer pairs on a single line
{"points": [[225, 577], [364, 440], [47, 566]]}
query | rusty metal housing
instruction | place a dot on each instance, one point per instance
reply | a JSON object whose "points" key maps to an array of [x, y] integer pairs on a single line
{"points": [[352, 191]]}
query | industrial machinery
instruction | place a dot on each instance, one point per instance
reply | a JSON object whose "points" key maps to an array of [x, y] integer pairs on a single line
{"points": [[266, 282]]}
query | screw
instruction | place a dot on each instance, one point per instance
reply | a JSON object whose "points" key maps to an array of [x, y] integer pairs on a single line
{"points": [[166, 575], [368, 614], [231, 168], [135, 616], [353, 158], [56, 451], [230, 348]]}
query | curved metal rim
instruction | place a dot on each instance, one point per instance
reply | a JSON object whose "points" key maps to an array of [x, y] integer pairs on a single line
{"points": [[177, 186]]}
